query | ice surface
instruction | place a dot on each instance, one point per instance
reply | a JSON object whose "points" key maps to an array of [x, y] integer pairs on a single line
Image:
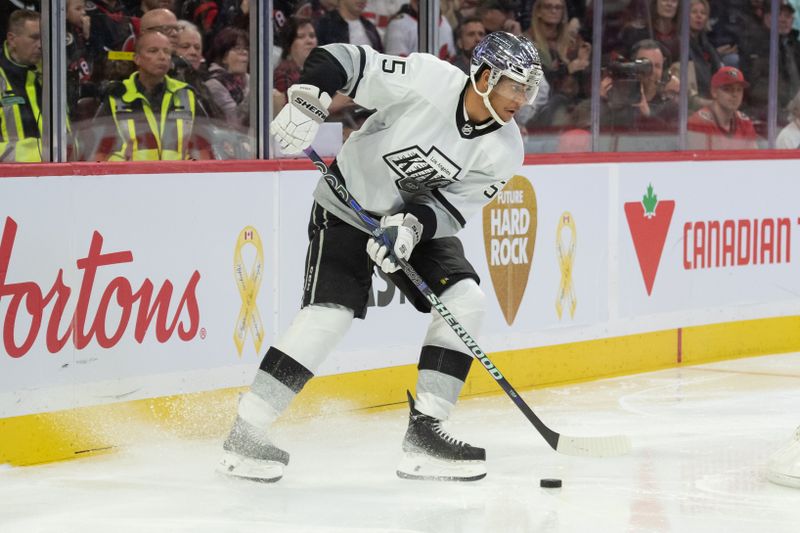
{"points": [[701, 436]]}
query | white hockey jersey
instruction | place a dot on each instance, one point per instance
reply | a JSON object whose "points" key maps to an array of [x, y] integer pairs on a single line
{"points": [[419, 147]]}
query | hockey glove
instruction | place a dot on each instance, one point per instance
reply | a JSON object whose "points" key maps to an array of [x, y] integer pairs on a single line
{"points": [[402, 231], [297, 123]]}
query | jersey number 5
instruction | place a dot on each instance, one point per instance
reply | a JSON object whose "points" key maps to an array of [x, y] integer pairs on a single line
{"points": [[390, 66]]}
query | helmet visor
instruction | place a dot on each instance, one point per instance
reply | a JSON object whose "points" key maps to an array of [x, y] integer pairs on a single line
{"points": [[516, 91]]}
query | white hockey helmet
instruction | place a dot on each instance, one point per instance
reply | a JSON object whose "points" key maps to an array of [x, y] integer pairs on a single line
{"points": [[507, 55]]}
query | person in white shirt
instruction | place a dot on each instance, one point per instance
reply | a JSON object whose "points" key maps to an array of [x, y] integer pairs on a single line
{"points": [[402, 35], [439, 147], [789, 136], [381, 12]]}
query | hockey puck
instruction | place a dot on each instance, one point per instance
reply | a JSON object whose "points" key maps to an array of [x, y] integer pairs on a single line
{"points": [[550, 483]]}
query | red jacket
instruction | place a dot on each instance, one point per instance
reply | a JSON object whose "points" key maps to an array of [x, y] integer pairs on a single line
{"points": [[706, 134]]}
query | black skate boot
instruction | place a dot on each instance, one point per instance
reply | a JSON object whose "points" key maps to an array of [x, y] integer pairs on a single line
{"points": [[430, 453], [249, 454]]}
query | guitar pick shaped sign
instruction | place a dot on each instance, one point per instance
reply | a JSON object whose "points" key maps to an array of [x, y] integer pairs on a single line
{"points": [[509, 236]]}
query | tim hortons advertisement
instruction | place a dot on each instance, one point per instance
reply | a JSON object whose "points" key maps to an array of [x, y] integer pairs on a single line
{"points": [[106, 283], [705, 235]]}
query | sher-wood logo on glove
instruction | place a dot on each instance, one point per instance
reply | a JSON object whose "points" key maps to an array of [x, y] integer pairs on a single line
{"points": [[305, 105], [509, 236]]}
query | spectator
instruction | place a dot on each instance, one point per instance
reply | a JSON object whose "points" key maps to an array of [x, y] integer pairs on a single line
{"points": [[467, 8], [298, 41], [617, 19], [755, 64], [154, 115], [148, 5], [190, 45], [498, 15], [660, 89], [188, 65], [80, 59], [309, 9], [727, 22], [402, 34], [721, 126], [111, 26], [381, 12], [212, 16], [229, 81], [469, 33], [449, 10], [21, 89], [565, 60], [644, 102], [346, 24], [662, 26], [705, 59], [789, 137], [747, 22], [163, 21], [9, 6]]}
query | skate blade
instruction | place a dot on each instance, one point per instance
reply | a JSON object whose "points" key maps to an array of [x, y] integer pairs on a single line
{"points": [[783, 479], [421, 466], [235, 465]]}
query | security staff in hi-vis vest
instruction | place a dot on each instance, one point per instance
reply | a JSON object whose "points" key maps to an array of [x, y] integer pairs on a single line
{"points": [[21, 90], [154, 115]]}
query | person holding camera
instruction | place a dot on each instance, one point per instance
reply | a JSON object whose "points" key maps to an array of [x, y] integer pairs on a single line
{"points": [[721, 126], [640, 95]]}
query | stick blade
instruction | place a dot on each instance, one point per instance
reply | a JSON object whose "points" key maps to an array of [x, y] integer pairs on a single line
{"points": [[612, 446]]}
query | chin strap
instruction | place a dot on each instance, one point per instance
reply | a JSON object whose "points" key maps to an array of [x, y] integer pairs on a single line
{"points": [[486, 101]]}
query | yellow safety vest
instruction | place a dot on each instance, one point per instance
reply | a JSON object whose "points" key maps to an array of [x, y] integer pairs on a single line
{"points": [[15, 147], [144, 138]]}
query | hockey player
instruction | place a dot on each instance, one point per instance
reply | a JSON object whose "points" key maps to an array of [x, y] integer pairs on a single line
{"points": [[439, 147]]}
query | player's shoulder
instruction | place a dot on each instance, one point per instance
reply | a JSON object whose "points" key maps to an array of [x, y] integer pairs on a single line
{"points": [[431, 63]]}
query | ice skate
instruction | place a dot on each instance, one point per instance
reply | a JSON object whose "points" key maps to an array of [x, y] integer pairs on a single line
{"points": [[783, 467], [431, 453], [249, 454]]}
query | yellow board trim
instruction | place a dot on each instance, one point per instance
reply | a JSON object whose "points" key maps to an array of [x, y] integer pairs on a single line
{"points": [[46, 437]]}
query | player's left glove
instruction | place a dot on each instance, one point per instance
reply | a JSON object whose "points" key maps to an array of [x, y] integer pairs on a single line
{"points": [[403, 232], [297, 123]]}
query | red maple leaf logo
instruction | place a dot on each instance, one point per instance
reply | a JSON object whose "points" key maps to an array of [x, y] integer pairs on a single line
{"points": [[649, 222]]}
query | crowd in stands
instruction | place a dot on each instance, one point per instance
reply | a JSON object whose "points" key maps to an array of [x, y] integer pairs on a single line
{"points": [[727, 76], [169, 79], [146, 80]]}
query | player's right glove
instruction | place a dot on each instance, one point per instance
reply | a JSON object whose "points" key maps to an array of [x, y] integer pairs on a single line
{"points": [[403, 231], [297, 123]]}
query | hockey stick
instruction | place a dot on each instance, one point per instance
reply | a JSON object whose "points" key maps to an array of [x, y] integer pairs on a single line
{"points": [[580, 446]]}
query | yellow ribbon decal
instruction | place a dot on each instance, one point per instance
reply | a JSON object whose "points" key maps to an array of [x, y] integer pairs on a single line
{"points": [[248, 283], [566, 256]]}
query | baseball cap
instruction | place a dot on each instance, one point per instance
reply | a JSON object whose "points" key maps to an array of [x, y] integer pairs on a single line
{"points": [[728, 76]]}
